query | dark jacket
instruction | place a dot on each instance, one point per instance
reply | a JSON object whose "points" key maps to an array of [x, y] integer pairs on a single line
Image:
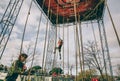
{"points": [[15, 70]]}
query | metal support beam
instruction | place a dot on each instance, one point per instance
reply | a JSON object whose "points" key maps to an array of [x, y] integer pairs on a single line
{"points": [[7, 22]]}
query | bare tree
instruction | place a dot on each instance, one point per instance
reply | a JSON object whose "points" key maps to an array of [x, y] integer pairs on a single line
{"points": [[118, 70], [92, 57]]}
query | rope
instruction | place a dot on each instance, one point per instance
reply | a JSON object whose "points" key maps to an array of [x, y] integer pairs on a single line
{"points": [[4, 28], [80, 59], [78, 39], [10, 31], [45, 38], [99, 27], [59, 37], [39, 28], [68, 48], [55, 48], [95, 42], [118, 39], [63, 45], [75, 38], [106, 43], [11, 14], [6, 10], [98, 64], [55, 40], [48, 38], [63, 39], [43, 54], [34, 52], [57, 31], [25, 26], [75, 53]]}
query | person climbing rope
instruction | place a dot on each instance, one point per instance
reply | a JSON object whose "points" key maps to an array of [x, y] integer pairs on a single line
{"points": [[18, 67], [60, 43]]}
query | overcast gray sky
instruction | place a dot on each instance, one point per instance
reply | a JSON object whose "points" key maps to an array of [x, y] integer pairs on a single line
{"points": [[13, 46]]}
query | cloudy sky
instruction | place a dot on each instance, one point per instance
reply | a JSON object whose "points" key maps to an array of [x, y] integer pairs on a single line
{"points": [[13, 46]]}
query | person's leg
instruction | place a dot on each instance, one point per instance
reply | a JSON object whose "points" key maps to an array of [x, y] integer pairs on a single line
{"points": [[60, 55], [60, 51], [55, 49], [59, 48]]}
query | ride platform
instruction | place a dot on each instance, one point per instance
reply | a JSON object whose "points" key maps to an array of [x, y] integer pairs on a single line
{"points": [[63, 11]]}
